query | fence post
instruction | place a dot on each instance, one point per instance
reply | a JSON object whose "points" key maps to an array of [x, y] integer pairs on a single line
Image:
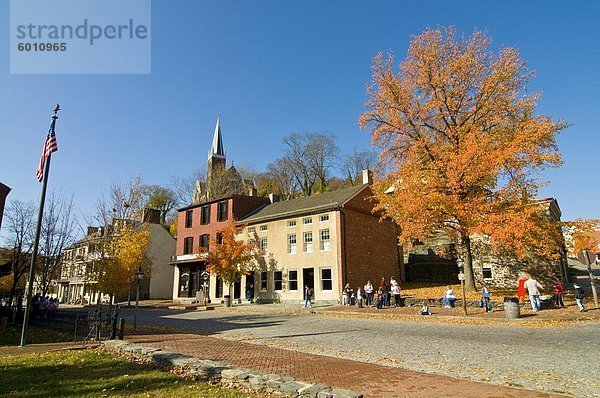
{"points": [[121, 328], [76, 322]]}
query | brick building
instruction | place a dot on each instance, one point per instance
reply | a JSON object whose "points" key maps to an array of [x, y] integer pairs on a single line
{"points": [[196, 225], [323, 241]]}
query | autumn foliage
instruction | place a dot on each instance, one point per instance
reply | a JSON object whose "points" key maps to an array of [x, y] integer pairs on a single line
{"points": [[232, 257], [128, 255], [461, 143]]}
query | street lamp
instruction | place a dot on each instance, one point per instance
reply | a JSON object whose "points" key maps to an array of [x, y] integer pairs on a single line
{"points": [[138, 276], [461, 277]]}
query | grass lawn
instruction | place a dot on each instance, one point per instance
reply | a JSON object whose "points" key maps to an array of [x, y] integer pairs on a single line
{"points": [[93, 373], [12, 336]]}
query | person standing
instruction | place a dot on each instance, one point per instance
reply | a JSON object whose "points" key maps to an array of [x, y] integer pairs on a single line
{"points": [[579, 295], [396, 293], [347, 292], [485, 297], [380, 299], [308, 297], [369, 294], [533, 288], [558, 294], [521, 290], [359, 298]]}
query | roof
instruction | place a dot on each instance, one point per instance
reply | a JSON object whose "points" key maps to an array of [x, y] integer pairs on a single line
{"points": [[216, 150], [310, 204]]}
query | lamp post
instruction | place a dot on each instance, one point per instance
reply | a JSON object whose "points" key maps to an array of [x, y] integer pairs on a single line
{"points": [[461, 277], [138, 276]]}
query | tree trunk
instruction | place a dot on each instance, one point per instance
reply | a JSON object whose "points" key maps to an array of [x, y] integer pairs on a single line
{"points": [[468, 271]]}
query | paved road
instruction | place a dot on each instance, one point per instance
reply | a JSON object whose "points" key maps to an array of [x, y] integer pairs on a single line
{"points": [[553, 359]]}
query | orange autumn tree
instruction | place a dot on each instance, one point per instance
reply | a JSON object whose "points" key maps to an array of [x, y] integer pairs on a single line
{"points": [[231, 258], [460, 143], [586, 235]]}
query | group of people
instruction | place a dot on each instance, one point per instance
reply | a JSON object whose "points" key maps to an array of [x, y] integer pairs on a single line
{"points": [[44, 305], [532, 287], [368, 297]]}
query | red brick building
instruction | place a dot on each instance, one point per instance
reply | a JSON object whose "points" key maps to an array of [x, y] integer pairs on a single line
{"points": [[196, 226]]}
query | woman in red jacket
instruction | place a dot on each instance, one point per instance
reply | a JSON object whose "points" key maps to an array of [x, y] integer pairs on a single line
{"points": [[521, 290]]}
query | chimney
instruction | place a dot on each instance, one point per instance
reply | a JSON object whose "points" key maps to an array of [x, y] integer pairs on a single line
{"points": [[273, 198], [91, 230], [151, 216], [252, 191], [367, 177]]}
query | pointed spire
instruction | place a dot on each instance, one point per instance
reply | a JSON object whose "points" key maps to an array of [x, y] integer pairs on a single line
{"points": [[216, 150]]}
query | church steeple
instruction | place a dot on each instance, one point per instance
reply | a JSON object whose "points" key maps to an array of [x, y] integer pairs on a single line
{"points": [[216, 150]]}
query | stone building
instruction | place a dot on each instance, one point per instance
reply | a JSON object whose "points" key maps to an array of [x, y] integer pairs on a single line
{"points": [[435, 259]]}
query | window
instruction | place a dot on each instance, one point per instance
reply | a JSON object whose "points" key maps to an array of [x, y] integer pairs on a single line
{"points": [[218, 287], [326, 282], [204, 241], [188, 218], [291, 223], [205, 215], [324, 218], [219, 238], [263, 227], [292, 244], [188, 245], [324, 241], [307, 220], [308, 242], [293, 280], [222, 211], [277, 280], [184, 281], [487, 272], [262, 245], [263, 280], [251, 230]]}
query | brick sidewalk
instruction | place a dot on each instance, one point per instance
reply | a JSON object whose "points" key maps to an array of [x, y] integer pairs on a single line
{"points": [[370, 379], [42, 348]]}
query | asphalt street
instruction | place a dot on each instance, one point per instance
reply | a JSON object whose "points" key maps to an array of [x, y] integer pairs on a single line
{"points": [[558, 359]]}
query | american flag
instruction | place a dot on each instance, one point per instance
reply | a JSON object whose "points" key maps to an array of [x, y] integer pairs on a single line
{"points": [[49, 146]]}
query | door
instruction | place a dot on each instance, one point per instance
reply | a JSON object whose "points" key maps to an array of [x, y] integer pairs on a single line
{"points": [[308, 279], [237, 289], [250, 286]]}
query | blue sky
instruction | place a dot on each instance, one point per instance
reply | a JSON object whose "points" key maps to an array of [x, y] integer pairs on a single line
{"points": [[271, 68]]}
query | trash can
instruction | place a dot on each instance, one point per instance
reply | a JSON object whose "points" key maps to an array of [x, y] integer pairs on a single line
{"points": [[511, 307], [227, 300]]}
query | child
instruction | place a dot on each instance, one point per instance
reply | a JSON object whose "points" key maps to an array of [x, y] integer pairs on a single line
{"points": [[425, 309], [359, 298], [579, 295], [485, 297], [558, 294], [380, 299]]}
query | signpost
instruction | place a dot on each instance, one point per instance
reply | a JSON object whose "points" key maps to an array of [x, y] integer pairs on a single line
{"points": [[587, 258], [461, 277]]}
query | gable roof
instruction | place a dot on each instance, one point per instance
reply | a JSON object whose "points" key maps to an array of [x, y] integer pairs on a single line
{"points": [[305, 205]]}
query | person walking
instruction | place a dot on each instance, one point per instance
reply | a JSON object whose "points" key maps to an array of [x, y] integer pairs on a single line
{"points": [[308, 297], [579, 295], [485, 297], [558, 294], [533, 288], [369, 294]]}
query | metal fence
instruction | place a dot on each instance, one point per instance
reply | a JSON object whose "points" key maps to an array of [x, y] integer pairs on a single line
{"points": [[79, 325]]}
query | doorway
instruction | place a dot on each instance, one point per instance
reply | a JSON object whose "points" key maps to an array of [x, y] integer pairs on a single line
{"points": [[308, 278]]}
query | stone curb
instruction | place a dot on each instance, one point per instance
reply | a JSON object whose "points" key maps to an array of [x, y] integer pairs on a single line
{"points": [[230, 376]]}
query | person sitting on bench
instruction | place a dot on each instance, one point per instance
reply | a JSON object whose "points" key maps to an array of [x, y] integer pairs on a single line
{"points": [[449, 298]]}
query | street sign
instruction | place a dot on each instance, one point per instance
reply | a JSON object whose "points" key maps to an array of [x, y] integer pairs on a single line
{"points": [[461, 277]]}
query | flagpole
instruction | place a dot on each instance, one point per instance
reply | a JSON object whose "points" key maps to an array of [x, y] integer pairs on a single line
{"points": [[37, 236]]}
